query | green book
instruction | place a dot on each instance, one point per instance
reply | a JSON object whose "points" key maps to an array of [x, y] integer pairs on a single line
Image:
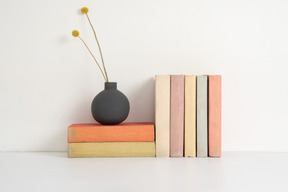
{"points": [[202, 126]]}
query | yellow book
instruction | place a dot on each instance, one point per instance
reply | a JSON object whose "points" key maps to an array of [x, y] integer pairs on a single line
{"points": [[190, 116], [112, 149]]}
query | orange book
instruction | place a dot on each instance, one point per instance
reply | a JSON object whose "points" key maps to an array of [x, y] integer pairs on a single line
{"points": [[214, 115], [78, 133]]}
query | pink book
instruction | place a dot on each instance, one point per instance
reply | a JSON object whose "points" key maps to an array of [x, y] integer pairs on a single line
{"points": [[177, 116], [214, 115]]}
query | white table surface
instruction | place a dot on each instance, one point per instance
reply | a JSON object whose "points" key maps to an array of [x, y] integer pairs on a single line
{"points": [[53, 171]]}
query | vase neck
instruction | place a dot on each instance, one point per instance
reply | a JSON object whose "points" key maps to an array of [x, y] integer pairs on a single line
{"points": [[110, 85]]}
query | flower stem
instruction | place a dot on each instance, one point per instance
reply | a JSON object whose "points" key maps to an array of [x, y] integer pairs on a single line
{"points": [[93, 58], [98, 47]]}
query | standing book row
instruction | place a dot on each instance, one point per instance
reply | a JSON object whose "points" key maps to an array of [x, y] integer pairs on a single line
{"points": [[188, 115], [123, 140]]}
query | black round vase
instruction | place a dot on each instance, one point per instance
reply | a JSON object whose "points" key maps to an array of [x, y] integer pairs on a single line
{"points": [[110, 106]]}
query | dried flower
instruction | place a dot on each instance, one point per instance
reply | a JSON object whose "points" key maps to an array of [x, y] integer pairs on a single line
{"points": [[84, 10], [75, 33]]}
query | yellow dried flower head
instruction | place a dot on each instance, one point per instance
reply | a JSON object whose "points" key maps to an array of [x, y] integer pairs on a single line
{"points": [[75, 33], [84, 10]]}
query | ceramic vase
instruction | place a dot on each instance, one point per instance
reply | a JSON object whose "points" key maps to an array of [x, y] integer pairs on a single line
{"points": [[110, 106]]}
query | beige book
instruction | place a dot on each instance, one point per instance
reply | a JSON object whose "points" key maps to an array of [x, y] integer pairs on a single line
{"points": [[112, 149], [190, 116], [162, 115]]}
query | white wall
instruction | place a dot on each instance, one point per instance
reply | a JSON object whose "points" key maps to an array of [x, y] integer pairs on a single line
{"points": [[48, 79]]}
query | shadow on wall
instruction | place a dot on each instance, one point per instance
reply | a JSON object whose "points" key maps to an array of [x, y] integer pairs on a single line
{"points": [[82, 112], [142, 102], [56, 142]]}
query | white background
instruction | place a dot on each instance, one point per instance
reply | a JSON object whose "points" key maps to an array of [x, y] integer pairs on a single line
{"points": [[48, 80]]}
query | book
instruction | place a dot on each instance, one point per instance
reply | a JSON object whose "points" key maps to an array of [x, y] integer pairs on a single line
{"points": [[177, 116], [78, 133], [190, 116], [214, 115], [202, 125], [162, 115], [112, 149]]}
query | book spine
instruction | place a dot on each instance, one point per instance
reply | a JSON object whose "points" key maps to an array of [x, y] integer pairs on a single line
{"points": [[162, 115], [214, 115], [177, 116], [202, 140], [106, 133], [112, 149], [190, 116]]}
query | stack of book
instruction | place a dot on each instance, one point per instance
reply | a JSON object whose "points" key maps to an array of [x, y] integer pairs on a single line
{"points": [[188, 115], [123, 140]]}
